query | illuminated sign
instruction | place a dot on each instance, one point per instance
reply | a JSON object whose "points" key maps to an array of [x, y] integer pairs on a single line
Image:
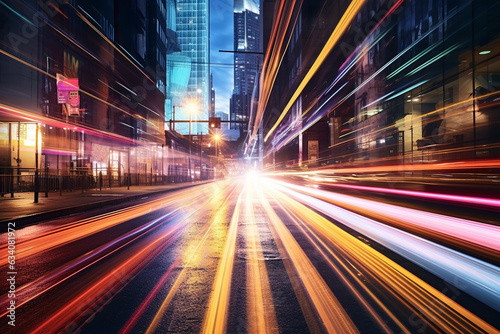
{"points": [[67, 94]]}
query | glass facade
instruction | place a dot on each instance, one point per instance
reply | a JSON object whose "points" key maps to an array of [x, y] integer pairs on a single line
{"points": [[413, 82], [246, 63], [117, 124], [192, 27], [426, 84]]}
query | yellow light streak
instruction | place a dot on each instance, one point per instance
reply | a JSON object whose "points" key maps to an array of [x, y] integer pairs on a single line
{"points": [[274, 55], [261, 316], [175, 287], [431, 305], [193, 255], [216, 314], [329, 309], [334, 37], [302, 217]]}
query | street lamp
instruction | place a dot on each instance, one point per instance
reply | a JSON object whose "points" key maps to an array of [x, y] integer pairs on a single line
{"points": [[191, 109], [217, 138]]}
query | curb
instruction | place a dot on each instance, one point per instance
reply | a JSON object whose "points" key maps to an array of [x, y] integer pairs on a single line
{"points": [[23, 221]]}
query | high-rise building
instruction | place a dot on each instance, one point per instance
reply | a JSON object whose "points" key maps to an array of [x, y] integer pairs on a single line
{"points": [[246, 59], [84, 94], [403, 83], [191, 101], [211, 111]]}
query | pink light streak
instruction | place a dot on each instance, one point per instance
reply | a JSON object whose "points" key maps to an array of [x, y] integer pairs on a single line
{"points": [[491, 202], [478, 233]]}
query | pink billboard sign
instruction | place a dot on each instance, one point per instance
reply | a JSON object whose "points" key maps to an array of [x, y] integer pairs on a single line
{"points": [[64, 87]]}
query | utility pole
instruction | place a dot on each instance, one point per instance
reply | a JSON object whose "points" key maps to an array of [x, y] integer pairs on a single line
{"points": [[37, 185]]}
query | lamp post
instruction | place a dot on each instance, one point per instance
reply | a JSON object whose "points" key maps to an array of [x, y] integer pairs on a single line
{"points": [[217, 138], [37, 181], [172, 121], [189, 158], [191, 109]]}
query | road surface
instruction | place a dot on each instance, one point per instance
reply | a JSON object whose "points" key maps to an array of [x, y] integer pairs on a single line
{"points": [[252, 254]]}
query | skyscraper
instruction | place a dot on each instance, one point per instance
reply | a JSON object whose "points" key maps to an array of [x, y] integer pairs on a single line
{"points": [[246, 59], [193, 36]]}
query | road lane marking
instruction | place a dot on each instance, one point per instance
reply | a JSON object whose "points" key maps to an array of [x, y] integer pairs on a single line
{"points": [[191, 257], [216, 315], [261, 316], [333, 316]]}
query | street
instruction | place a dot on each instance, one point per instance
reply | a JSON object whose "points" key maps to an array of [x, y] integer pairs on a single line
{"points": [[254, 254]]}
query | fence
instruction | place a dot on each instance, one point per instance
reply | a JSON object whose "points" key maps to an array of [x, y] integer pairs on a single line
{"points": [[14, 180]]}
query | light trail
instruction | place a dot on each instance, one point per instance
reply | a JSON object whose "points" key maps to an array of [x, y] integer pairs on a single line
{"points": [[66, 234], [50, 280], [483, 201], [86, 300], [215, 319], [261, 315], [272, 58], [404, 286], [32, 116], [478, 278], [139, 312], [300, 216], [328, 308], [102, 288], [343, 71], [346, 18], [192, 257], [185, 262], [172, 291], [444, 166], [477, 233]]}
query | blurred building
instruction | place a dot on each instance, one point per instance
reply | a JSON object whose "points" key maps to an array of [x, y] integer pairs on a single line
{"points": [[188, 71], [247, 45], [224, 117], [85, 80], [378, 83]]}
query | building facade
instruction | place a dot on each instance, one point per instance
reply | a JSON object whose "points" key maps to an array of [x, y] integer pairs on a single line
{"points": [[247, 45], [396, 83], [189, 98], [82, 88]]}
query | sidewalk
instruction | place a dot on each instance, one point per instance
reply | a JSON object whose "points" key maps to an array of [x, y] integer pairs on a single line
{"points": [[22, 209]]}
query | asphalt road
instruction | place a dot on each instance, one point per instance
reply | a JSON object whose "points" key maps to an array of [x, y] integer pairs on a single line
{"points": [[254, 255]]}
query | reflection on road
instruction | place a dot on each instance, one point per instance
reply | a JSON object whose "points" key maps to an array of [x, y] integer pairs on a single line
{"points": [[258, 255]]}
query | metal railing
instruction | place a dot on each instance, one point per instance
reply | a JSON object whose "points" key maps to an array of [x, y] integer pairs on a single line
{"points": [[15, 180]]}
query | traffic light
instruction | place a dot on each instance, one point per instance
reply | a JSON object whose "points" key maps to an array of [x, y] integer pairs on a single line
{"points": [[214, 122]]}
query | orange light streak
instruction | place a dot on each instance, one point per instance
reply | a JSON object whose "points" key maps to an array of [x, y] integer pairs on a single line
{"points": [[73, 310], [432, 306], [66, 234], [329, 309]]}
